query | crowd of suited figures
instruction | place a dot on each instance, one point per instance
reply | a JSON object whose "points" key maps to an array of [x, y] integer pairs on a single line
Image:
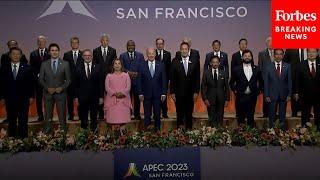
{"points": [[112, 88]]}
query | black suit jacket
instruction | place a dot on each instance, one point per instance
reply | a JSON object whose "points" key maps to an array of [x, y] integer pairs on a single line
{"points": [[239, 83], [35, 60], [68, 56], [98, 58], [212, 91], [182, 84], [20, 89], [166, 60], [306, 86], [194, 54], [223, 62], [92, 87], [5, 59]]}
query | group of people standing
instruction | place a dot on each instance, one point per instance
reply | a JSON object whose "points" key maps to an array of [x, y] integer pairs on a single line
{"points": [[111, 88]]}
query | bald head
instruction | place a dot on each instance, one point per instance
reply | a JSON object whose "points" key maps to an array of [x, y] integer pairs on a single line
{"points": [[151, 53]]}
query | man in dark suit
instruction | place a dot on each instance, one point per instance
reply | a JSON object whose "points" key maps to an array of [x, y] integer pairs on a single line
{"points": [[104, 55], [185, 85], [277, 87], [215, 91], [246, 83], [164, 57], [265, 57], [193, 53], [237, 61], [152, 87], [38, 56], [294, 57], [17, 81], [131, 61], [74, 57], [307, 87], [55, 78], [89, 85], [216, 45], [5, 58]]}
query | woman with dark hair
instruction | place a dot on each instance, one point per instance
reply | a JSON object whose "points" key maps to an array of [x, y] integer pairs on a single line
{"points": [[117, 103]]}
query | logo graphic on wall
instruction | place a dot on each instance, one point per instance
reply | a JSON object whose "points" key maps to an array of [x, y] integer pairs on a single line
{"points": [[132, 171], [77, 7]]}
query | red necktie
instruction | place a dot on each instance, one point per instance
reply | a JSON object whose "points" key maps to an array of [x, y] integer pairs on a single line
{"points": [[278, 70], [313, 70]]}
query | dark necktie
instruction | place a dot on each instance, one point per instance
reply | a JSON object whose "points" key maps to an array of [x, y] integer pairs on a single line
{"points": [[104, 54], [278, 70], [14, 72], [131, 56], [88, 70], [313, 70], [41, 55], [75, 57], [215, 78], [54, 67]]}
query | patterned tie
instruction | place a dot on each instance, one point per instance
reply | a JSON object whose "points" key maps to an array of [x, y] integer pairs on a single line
{"points": [[131, 56], [151, 68], [14, 71], [278, 70], [104, 55], [313, 70], [185, 65]]}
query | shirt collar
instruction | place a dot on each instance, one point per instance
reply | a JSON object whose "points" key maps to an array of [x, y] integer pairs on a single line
{"points": [[75, 50], [54, 59], [187, 58], [310, 62], [102, 48], [18, 64], [278, 63]]}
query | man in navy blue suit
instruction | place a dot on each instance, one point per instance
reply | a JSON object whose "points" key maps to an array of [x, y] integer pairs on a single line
{"points": [[277, 87], [246, 83], [216, 45], [17, 80], [131, 60], [152, 87]]}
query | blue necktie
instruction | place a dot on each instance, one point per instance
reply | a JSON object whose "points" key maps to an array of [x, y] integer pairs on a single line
{"points": [[14, 71], [151, 69]]}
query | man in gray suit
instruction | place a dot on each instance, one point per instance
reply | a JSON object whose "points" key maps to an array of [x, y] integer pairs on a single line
{"points": [[265, 57], [215, 91], [55, 78], [277, 87]]}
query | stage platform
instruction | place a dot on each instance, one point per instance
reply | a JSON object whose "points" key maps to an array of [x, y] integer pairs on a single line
{"points": [[200, 119]]}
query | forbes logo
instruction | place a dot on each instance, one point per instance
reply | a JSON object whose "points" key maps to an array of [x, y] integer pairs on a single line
{"points": [[281, 15]]}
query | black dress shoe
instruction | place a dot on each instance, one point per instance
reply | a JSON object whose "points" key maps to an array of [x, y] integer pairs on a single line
{"points": [[165, 116], [70, 118], [137, 118]]}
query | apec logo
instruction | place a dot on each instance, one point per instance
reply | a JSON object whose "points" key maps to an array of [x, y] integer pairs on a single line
{"points": [[57, 6], [281, 15]]}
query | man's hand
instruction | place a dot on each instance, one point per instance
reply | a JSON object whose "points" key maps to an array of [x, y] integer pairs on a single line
{"points": [[51, 90], [268, 99], [59, 90], [141, 97], [296, 97], [100, 101], [195, 95], [288, 98], [30, 100], [173, 96], [163, 98], [207, 103]]}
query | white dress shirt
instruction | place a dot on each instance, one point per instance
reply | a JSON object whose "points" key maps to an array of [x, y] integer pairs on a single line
{"points": [[276, 65], [17, 68], [185, 62], [217, 53], [217, 72], [86, 68], [160, 51], [248, 73]]}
